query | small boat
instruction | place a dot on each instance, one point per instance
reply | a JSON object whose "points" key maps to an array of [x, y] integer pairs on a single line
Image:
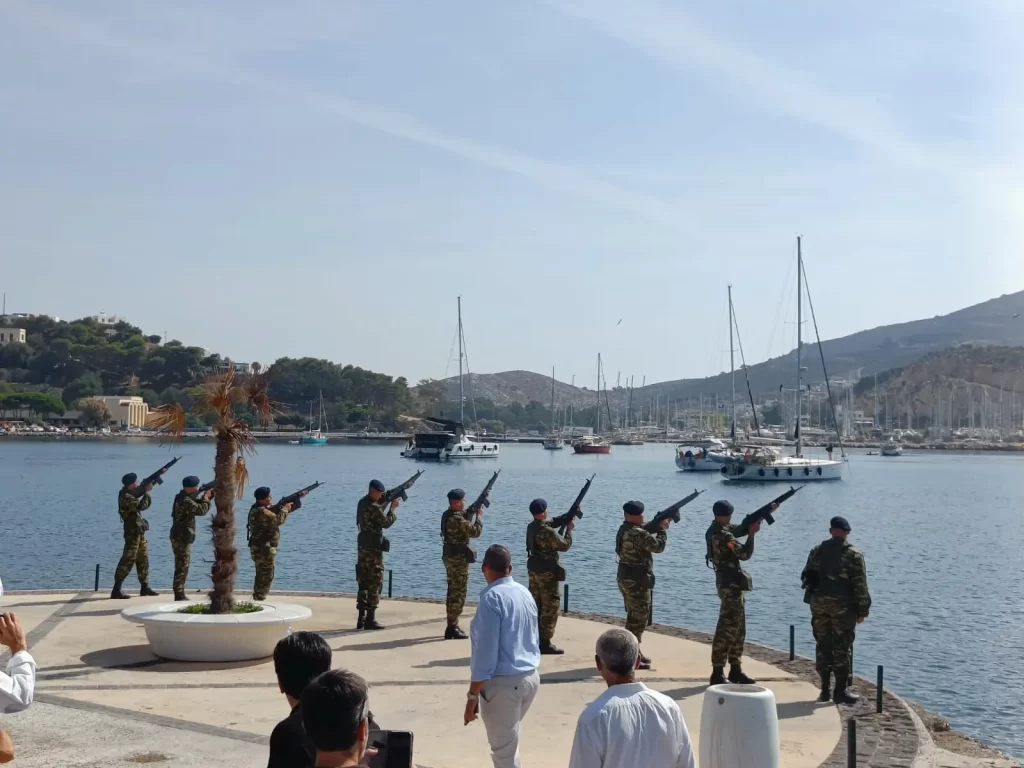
{"points": [[316, 436], [554, 443], [871, 453], [627, 440], [591, 444], [707, 455], [892, 448]]}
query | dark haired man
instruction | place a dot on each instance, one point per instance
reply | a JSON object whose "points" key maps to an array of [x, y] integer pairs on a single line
{"points": [[336, 716]]}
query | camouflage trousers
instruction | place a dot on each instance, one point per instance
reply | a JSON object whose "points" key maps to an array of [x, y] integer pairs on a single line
{"points": [[182, 560], [544, 588], [834, 626], [263, 558], [731, 632], [637, 599], [457, 571], [135, 554], [370, 576]]}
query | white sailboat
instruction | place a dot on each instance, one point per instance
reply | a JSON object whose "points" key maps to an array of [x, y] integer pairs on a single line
{"points": [[554, 441], [765, 464], [316, 436], [892, 448]]}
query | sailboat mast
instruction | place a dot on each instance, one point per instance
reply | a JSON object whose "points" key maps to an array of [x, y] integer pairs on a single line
{"points": [[732, 368], [598, 393], [462, 393], [552, 398], [799, 342]]}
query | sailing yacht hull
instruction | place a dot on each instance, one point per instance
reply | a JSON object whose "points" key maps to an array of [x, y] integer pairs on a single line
{"points": [[310, 440], [785, 469], [592, 449]]}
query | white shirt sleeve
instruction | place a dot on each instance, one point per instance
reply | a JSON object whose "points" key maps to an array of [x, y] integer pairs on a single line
{"points": [[18, 684], [586, 752], [686, 759]]}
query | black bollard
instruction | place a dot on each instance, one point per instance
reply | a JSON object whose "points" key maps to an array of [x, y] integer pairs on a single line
{"points": [[851, 744], [650, 613], [390, 579], [878, 691], [565, 598], [96, 584], [792, 642]]}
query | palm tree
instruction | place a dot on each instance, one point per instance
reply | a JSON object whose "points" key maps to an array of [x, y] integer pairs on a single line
{"points": [[221, 397]]}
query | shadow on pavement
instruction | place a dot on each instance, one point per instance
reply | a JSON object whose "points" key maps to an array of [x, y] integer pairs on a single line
{"points": [[444, 663], [387, 645]]}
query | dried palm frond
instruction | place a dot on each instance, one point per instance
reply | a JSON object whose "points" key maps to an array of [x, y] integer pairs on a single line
{"points": [[233, 429], [241, 476], [169, 420], [257, 392], [215, 394]]}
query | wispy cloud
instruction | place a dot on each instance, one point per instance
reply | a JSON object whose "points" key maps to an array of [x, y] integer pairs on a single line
{"points": [[184, 61]]}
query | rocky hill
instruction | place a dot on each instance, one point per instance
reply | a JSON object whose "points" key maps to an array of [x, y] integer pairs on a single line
{"points": [[519, 387]]}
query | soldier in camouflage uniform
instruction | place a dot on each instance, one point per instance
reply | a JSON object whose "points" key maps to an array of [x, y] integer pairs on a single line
{"points": [[543, 543], [136, 553], [264, 534], [636, 547], [836, 583], [457, 528], [187, 506], [724, 552], [371, 519]]}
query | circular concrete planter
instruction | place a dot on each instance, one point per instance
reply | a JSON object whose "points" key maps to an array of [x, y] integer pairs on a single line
{"points": [[203, 637], [739, 727]]}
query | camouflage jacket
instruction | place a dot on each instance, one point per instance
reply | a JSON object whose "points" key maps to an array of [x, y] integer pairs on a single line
{"points": [[543, 543], [184, 512], [264, 527], [636, 546], [456, 528], [725, 552], [835, 570], [131, 509], [371, 516]]}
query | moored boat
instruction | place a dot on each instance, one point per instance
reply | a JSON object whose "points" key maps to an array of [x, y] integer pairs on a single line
{"points": [[591, 444]]}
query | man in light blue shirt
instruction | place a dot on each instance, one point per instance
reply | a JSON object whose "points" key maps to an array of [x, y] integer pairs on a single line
{"points": [[504, 658]]}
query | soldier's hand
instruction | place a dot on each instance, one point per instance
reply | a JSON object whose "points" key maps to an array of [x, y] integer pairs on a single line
{"points": [[302, 493], [148, 487], [666, 523], [163, 471], [773, 507], [287, 507], [394, 504], [860, 619], [570, 526], [209, 494], [755, 527]]}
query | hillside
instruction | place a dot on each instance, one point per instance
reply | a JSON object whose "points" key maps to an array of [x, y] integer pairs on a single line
{"points": [[520, 387]]}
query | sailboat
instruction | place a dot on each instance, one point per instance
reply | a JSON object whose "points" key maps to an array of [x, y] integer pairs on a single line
{"points": [[766, 464], [594, 443], [452, 441], [316, 436], [554, 441]]}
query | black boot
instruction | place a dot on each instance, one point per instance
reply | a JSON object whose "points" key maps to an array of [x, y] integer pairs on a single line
{"points": [[371, 620], [550, 649], [645, 662], [826, 686], [116, 593], [736, 676], [717, 676], [361, 621], [147, 592], [179, 596], [842, 695], [454, 632]]}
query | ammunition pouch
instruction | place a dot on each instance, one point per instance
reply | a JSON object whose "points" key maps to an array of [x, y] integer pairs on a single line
{"points": [[459, 550], [638, 573], [734, 577], [373, 541], [537, 564], [183, 535], [144, 525]]}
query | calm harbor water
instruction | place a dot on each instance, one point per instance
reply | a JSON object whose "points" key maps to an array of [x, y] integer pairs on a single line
{"points": [[940, 532]]}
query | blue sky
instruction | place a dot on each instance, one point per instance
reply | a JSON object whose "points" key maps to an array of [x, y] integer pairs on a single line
{"points": [[323, 178]]}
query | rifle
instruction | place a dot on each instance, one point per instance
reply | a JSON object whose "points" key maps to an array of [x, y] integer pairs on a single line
{"points": [[562, 521], [198, 495], [671, 512], [765, 512], [399, 492], [292, 498], [154, 479], [482, 501]]}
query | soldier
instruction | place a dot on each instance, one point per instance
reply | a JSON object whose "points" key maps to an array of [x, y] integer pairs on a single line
{"points": [[135, 553], [457, 528], [372, 520], [543, 543], [836, 583], [724, 552], [264, 534], [636, 547], [183, 529]]}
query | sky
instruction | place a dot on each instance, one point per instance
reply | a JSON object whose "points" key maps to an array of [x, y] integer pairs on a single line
{"points": [[324, 178]]}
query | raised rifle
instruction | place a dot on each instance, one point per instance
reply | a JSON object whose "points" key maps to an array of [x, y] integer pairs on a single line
{"points": [[399, 492], [482, 501], [198, 495], [292, 498], [671, 512], [154, 479], [562, 521], [765, 512]]}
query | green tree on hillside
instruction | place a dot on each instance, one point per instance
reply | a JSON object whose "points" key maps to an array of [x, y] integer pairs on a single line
{"points": [[94, 412], [84, 386]]}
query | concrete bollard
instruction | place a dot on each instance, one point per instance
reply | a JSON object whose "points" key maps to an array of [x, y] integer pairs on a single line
{"points": [[739, 728]]}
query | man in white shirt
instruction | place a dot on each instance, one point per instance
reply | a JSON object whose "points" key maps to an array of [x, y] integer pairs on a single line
{"points": [[629, 725], [17, 684]]}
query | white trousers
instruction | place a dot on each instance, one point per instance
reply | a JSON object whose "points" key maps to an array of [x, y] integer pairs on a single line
{"points": [[504, 702]]}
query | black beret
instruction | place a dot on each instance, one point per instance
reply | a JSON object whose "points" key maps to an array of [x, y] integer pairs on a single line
{"points": [[840, 523], [537, 506], [377, 485], [262, 493], [633, 507], [722, 507], [190, 482], [130, 478], [456, 494]]}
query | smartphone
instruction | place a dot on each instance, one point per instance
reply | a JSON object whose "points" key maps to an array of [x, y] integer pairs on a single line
{"points": [[394, 749]]}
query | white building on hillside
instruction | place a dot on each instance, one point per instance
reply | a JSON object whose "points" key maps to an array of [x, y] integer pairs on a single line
{"points": [[12, 336]]}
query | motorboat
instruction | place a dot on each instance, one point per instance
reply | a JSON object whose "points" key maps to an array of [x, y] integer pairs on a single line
{"points": [[448, 444], [892, 448], [591, 444], [707, 455]]}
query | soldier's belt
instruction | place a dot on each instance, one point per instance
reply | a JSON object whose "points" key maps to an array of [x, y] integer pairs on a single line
{"points": [[457, 550], [638, 573]]}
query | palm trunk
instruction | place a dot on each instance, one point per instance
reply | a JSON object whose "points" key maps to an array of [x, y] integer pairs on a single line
{"points": [[225, 556]]}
